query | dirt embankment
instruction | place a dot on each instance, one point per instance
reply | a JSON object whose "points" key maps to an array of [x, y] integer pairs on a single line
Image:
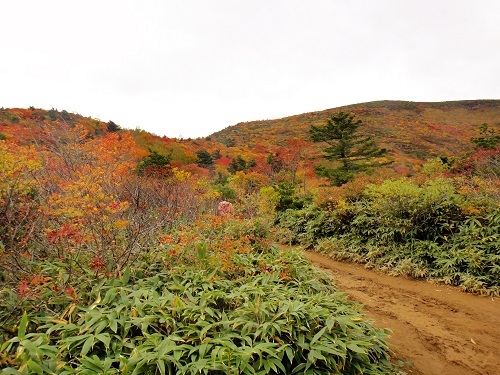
{"points": [[439, 328]]}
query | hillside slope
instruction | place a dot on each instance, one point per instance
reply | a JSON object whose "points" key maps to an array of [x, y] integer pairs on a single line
{"points": [[411, 131]]}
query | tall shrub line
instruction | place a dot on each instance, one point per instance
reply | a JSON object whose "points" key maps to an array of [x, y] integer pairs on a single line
{"points": [[420, 230]]}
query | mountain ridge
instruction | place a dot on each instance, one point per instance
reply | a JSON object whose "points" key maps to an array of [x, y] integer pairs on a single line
{"points": [[412, 131], [422, 129]]}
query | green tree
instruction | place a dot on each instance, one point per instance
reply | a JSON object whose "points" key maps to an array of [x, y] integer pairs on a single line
{"points": [[353, 153], [154, 164], [288, 198], [487, 138], [205, 160], [112, 127], [238, 164]]}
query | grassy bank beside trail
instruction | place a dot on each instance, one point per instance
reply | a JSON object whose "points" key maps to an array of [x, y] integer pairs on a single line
{"points": [[401, 227]]}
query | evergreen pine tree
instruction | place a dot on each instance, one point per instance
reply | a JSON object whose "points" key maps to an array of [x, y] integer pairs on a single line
{"points": [[352, 152]]}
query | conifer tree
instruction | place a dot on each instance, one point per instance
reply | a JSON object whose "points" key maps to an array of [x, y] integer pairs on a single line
{"points": [[488, 139], [154, 164], [205, 160], [353, 153]]}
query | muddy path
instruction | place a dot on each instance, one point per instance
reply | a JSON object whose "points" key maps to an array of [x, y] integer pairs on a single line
{"points": [[439, 328]]}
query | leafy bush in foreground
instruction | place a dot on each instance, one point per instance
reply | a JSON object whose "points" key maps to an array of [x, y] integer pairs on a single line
{"points": [[279, 317]]}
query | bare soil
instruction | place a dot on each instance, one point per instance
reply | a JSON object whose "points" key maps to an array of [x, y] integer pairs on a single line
{"points": [[440, 329]]}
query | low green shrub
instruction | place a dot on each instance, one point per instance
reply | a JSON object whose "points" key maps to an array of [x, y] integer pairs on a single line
{"points": [[401, 211], [472, 257], [278, 317], [315, 222]]}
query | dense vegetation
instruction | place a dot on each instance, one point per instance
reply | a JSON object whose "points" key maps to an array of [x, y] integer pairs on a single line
{"points": [[435, 225], [266, 312], [113, 258]]}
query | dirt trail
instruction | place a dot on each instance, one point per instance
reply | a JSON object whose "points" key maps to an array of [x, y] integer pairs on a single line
{"points": [[439, 328]]}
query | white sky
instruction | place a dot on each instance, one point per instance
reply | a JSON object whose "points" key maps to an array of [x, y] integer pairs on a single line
{"points": [[189, 68]]}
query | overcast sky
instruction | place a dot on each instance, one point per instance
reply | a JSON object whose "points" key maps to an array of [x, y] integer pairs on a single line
{"points": [[188, 68]]}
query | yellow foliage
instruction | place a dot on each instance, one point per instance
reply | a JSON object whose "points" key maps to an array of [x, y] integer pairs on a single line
{"points": [[121, 224], [208, 192], [247, 182], [17, 165], [434, 167], [181, 175], [268, 199]]}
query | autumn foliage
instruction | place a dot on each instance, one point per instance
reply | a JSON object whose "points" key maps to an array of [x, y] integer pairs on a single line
{"points": [[87, 207], [74, 194]]}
